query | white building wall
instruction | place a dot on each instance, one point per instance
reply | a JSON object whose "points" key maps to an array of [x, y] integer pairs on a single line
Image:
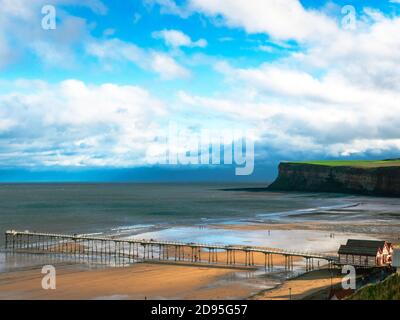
{"points": [[357, 260], [396, 258]]}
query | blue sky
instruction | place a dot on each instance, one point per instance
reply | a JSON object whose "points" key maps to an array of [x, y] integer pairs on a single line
{"points": [[89, 100]]}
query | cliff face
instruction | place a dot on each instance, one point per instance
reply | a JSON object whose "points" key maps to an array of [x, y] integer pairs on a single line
{"points": [[382, 181]]}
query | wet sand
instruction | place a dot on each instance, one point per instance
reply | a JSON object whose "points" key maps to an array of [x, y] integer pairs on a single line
{"points": [[334, 228], [305, 286], [328, 226], [154, 281], [159, 281], [141, 281], [240, 257]]}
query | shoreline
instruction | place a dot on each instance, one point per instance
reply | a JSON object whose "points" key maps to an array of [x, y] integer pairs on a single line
{"points": [[191, 281], [312, 284], [156, 281]]}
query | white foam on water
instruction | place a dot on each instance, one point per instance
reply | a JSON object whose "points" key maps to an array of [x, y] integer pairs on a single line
{"points": [[306, 211]]}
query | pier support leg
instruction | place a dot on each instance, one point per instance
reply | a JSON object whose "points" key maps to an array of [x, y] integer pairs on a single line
{"points": [[265, 261]]}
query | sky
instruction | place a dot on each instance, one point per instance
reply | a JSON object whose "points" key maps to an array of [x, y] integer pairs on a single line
{"points": [[91, 94]]}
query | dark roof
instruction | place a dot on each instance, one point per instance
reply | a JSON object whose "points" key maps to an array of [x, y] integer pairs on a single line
{"points": [[341, 293], [366, 243], [360, 251]]}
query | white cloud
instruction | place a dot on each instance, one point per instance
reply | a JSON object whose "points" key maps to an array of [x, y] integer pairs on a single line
{"points": [[167, 67], [176, 39], [6, 54], [116, 50], [75, 124], [96, 6], [281, 19], [331, 97], [265, 48], [170, 7], [331, 113], [367, 57], [289, 83], [336, 95], [307, 127], [20, 26]]}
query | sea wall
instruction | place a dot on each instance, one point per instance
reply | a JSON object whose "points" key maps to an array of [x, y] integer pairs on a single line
{"points": [[381, 181]]}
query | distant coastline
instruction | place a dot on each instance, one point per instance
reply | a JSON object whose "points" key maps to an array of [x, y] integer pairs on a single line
{"points": [[374, 178], [371, 178], [247, 189]]}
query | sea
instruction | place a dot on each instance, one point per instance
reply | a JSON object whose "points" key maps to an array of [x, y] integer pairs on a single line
{"points": [[195, 212]]}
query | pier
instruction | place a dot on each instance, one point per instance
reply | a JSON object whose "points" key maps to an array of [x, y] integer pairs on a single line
{"points": [[133, 250]]}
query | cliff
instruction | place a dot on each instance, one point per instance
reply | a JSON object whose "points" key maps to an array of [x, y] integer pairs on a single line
{"points": [[377, 180]]}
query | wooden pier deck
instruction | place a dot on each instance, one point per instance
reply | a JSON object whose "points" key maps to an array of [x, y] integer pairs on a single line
{"points": [[154, 250]]}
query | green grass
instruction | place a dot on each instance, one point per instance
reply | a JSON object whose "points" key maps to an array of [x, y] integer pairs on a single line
{"points": [[389, 289], [354, 163]]}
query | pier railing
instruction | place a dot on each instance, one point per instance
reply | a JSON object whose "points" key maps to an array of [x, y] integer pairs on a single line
{"points": [[151, 250]]}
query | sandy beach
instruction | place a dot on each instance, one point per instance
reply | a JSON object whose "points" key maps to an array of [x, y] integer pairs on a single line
{"points": [[305, 286], [328, 227], [240, 257], [171, 280], [138, 281], [154, 281], [141, 281]]}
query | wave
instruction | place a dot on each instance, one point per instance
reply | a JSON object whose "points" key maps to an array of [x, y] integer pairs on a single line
{"points": [[132, 227], [307, 210], [90, 234]]}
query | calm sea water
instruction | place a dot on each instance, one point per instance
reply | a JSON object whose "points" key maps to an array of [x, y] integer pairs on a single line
{"points": [[91, 208]]}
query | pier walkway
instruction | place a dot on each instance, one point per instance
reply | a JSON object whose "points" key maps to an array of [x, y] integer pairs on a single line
{"points": [[150, 250]]}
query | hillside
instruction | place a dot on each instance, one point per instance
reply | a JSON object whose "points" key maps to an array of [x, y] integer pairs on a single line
{"points": [[389, 289], [381, 178]]}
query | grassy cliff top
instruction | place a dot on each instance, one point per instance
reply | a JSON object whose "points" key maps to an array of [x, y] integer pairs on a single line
{"points": [[353, 163], [389, 289]]}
